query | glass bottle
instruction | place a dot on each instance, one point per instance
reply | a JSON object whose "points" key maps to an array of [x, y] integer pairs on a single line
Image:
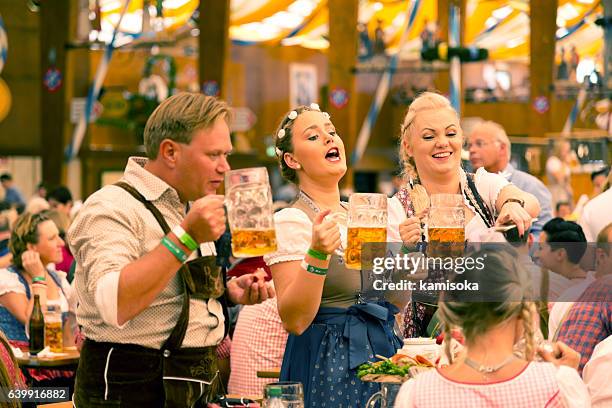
{"points": [[37, 327]]}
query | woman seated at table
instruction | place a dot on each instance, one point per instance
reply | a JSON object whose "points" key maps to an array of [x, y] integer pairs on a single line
{"points": [[316, 292], [488, 373], [36, 246], [430, 150]]}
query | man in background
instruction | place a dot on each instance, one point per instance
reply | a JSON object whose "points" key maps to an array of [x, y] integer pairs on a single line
{"points": [[12, 195], [589, 320], [60, 199], [599, 179], [490, 148]]}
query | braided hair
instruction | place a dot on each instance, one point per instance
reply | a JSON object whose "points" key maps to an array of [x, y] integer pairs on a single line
{"points": [[504, 280]]}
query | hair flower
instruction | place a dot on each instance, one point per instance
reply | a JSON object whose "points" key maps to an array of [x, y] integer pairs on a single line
{"points": [[315, 106], [281, 133], [326, 115], [292, 115], [279, 152]]}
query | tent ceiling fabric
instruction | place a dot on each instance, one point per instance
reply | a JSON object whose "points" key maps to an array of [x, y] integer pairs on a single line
{"points": [[500, 26]]}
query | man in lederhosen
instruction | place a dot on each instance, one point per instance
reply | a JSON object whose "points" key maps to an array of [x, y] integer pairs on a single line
{"points": [[151, 297]]}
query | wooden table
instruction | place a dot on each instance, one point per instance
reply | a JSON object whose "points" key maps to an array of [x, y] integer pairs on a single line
{"points": [[69, 359], [273, 372]]}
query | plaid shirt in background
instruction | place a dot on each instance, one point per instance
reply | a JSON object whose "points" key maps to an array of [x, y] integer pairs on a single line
{"points": [[258, 344], [590, 320]]}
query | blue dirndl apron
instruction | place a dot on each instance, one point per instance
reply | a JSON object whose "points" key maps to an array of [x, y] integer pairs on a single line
{"points": [[325, 357]]}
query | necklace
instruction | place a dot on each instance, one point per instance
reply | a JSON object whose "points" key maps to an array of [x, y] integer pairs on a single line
{"points": [[304, 197], [483, 369], [311, 204]]}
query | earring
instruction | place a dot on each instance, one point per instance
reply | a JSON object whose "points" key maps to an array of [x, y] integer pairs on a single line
{"points": [[298, 166]]}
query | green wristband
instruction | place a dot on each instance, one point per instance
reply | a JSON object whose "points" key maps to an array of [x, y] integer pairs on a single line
{"points": [[39, 279], [318, 254], [174, 249], [314, 269], [405, 250], [185, 238]]}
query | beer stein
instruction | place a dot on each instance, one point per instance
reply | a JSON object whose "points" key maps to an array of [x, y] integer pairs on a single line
{"points": [[385, 397], [367, 223], [446, 225], [54, 337], [248, 199], [289, 394]]}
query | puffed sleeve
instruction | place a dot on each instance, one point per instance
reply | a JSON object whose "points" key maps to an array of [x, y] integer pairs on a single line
{"points": [[572, 389], [293, 236], [489, 185], [9, 283], [596, 374], [395, 215], [405, 396]]}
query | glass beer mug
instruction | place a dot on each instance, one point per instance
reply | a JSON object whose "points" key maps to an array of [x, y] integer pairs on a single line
{"points": [[54, 337], [288, 394], [367, 222], [248, 198], [446, 225]]}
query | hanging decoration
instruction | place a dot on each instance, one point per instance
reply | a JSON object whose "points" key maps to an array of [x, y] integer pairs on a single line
{"points": [[5, 100]]}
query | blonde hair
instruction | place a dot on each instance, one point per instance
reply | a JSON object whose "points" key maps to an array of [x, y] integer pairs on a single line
{"points": [[424, 102], [179, 116], [497, 130], [502, 279], [25, 231]]}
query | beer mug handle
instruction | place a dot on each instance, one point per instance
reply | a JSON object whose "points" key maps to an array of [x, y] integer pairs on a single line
{"points": [[374, 398]]}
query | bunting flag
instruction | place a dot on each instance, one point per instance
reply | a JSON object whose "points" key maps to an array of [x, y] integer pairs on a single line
{"points": [[94, 91], [3, 44], [573, 115], [454, 40], [382, 89]]}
